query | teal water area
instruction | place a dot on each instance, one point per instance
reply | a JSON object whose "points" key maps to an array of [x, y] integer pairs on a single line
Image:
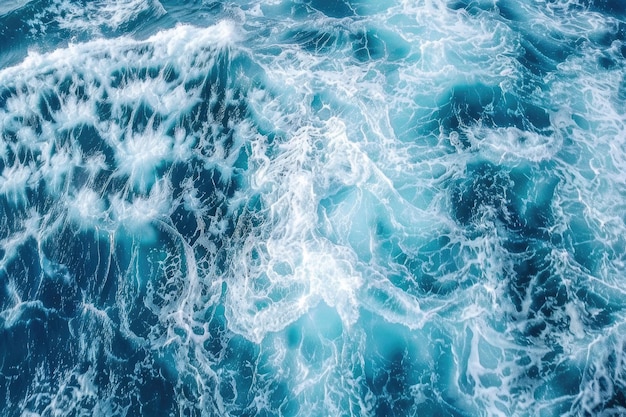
{"points": [[312, 208]]}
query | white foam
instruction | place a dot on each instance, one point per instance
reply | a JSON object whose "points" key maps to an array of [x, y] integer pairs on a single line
{"points": [[137, 214], [576, 325], [56, 171], [94, 16], [14, 182], [87, 208], [80, 76], [10, 5], [510, 144], [75, 112], [94, 164], [139, 155]]}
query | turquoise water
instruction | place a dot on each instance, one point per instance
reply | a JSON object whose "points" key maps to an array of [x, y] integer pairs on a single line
{"points": [[312, 208]]}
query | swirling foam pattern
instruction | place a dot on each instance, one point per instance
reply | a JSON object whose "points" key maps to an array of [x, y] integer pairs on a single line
{"points": [[312, 208]]}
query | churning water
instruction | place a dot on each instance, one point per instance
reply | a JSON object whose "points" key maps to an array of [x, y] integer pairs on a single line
{"points": [[312, 208]]}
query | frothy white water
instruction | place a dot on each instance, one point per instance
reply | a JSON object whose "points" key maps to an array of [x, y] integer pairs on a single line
{"points": [[421, 208], [93, 17]]}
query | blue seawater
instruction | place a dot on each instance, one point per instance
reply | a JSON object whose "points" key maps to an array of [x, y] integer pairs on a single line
{"points": [[312, 208]]}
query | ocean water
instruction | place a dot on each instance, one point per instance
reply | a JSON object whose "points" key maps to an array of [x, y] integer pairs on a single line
{"points": [[312, 208]]}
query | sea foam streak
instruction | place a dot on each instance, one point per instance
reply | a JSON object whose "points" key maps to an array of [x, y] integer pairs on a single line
{"points": [[321, 208]]}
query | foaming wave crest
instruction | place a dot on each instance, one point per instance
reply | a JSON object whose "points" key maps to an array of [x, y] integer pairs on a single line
{"points": [[312, 208]]}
